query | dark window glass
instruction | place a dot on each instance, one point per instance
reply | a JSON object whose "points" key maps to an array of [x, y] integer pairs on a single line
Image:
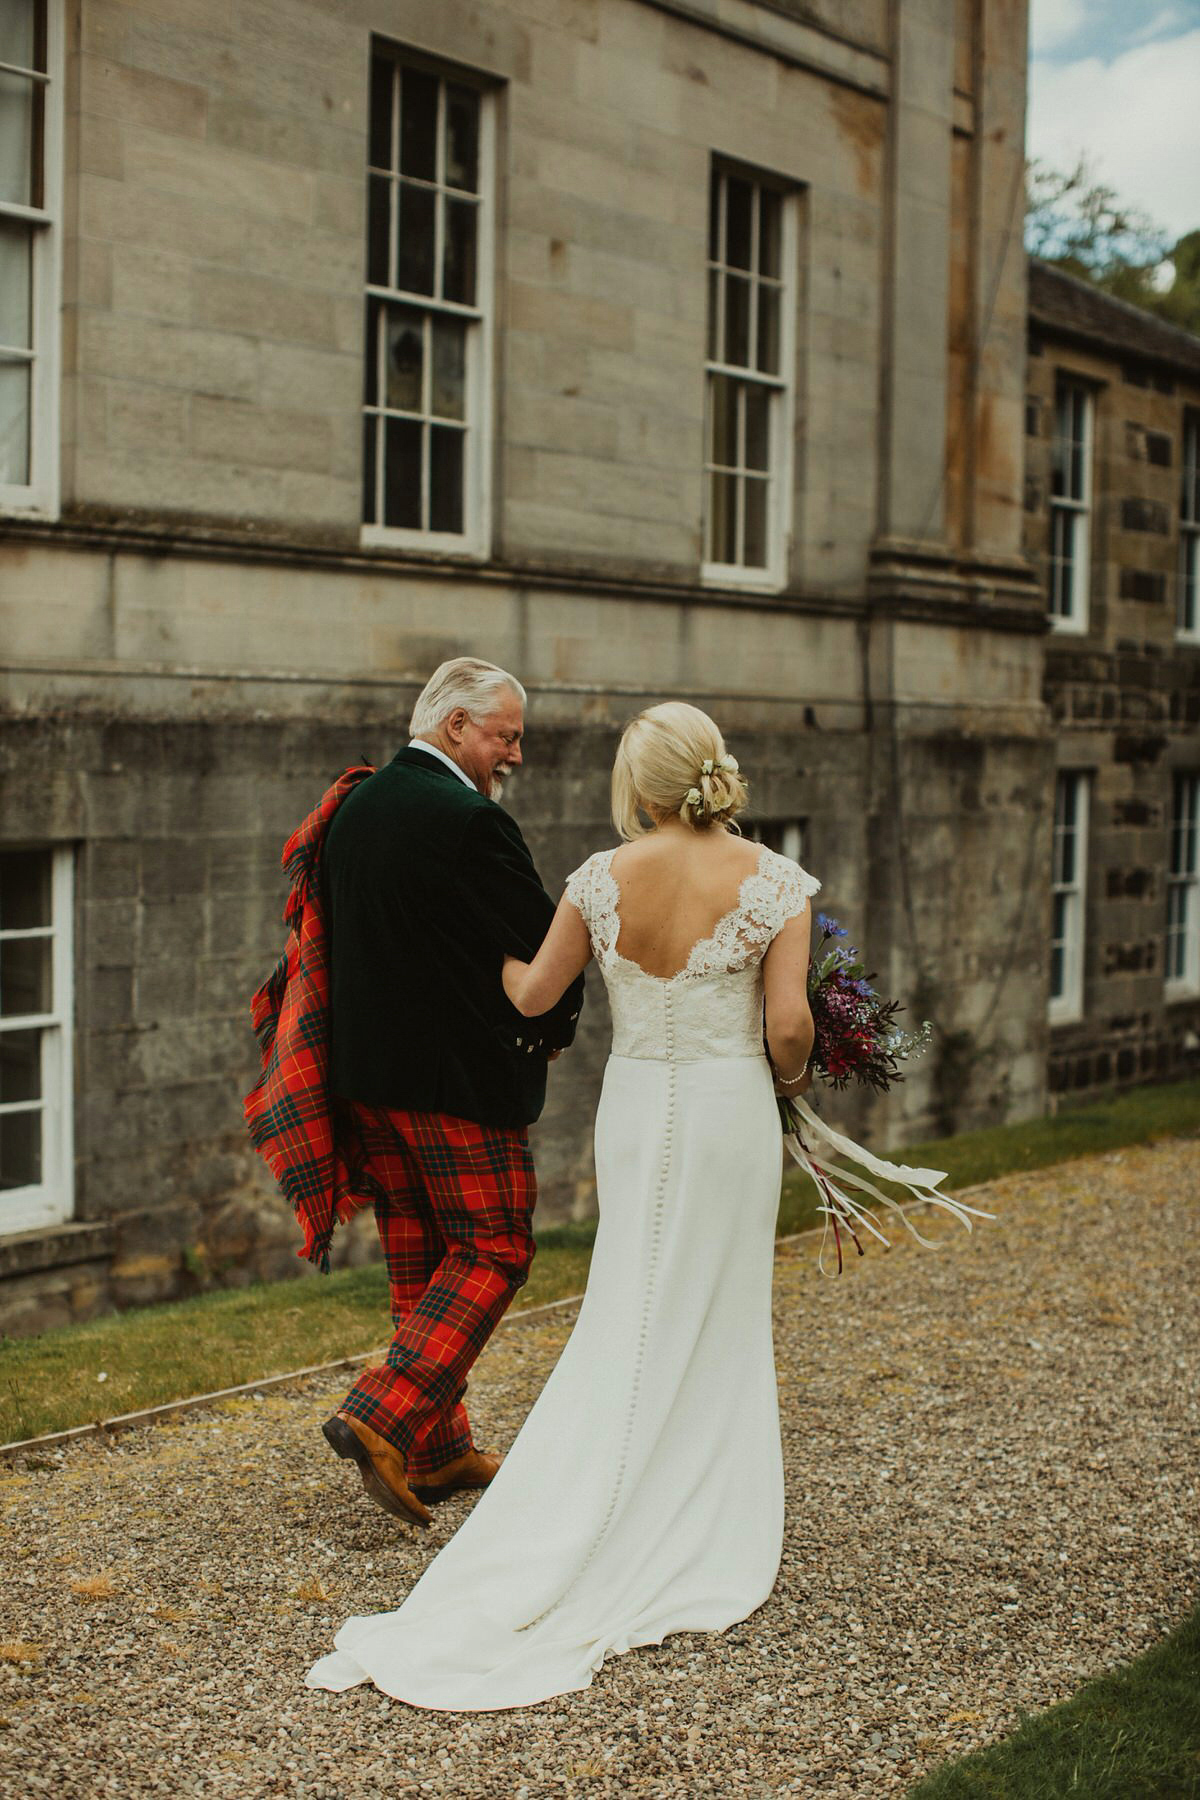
{"points": [[402, 473], [449, 368], [382, 82], [770, 211], [739, 203], [406, 358], [768, 330], [758, 415], [723, 518], [446, 479], [24, 976], [737, 321], [20, 1066], [462, 138], [723, 423], [754, 550], [458, 275], [20, 1149], [379, 271], [415, 273], [418, 124], [24, 890], [370, 438]]}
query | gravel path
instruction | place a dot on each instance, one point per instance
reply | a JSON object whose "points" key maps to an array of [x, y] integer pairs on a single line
{"points": [[992, 1495]]}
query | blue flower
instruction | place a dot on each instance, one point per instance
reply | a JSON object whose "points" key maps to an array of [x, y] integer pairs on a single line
{"points": [[829, 926]]}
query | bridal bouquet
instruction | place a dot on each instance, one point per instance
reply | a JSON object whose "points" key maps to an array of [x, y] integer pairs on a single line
{"points": [[856, 1039]]}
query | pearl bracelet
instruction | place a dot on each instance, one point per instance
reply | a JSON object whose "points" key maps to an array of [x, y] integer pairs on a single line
{"points": [[791, 1080]]}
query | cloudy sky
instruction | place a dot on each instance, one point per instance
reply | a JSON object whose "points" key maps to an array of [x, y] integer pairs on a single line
{"points": [[1120, 80]]}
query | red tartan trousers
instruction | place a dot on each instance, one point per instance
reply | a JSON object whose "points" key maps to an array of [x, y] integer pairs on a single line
{"points": [[454, 1206]]}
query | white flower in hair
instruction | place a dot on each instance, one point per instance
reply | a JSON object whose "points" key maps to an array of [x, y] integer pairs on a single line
{"points": [[706, 767], [692, 797], [729, 763]]}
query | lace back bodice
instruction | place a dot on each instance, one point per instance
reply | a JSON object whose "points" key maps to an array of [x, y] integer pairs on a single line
{"points": [[713, 1006]]}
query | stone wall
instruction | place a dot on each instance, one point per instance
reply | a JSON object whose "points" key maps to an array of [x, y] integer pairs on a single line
{"points": [[1124, 695], [204, 638]]}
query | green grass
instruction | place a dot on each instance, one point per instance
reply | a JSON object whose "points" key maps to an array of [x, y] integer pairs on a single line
{"points": [[1133, 1734], [1136, 1117], [220, 1339]]}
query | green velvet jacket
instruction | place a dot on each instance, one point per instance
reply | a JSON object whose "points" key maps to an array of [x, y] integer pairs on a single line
{"points": [[427, 886]]}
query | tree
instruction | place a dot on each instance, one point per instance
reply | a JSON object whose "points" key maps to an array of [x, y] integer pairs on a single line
{"points": [[1080, 224]]}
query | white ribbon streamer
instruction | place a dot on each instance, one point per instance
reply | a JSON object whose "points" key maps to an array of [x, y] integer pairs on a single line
{"points": [[812, 1144]]}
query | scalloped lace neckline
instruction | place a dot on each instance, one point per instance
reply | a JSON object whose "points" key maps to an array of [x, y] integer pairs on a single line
{"points": [[701, 944]]}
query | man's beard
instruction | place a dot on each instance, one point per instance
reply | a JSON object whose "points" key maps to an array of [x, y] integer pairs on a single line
{"points": [[496, 785]]}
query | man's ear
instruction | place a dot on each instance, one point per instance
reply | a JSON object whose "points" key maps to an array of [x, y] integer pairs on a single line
{"points": [[455, 723]]}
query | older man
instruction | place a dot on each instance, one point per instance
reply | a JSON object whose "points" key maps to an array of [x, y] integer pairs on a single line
{"points": [[428, 885]]}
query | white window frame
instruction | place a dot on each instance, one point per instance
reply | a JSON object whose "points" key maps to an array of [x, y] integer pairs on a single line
{"points": [[475, 540], [39, 496], [1187, 611], [51, 1200], [780, 430], [1069, 612], [1067, 1007], [790, 834], [1183, 888]]}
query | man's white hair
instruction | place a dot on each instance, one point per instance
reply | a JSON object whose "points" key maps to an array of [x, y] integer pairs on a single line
{"points": [[463, 681]]}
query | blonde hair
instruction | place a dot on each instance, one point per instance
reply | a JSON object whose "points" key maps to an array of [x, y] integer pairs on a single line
{"points": [[672, 758], [464, 681]]}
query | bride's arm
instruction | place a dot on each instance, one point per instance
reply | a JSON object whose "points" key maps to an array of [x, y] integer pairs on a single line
{"points": [[534, 987], [788, 1019]]}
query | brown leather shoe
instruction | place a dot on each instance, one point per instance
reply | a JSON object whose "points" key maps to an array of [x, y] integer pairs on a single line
{"points": [[380, 1464], [473, 1469]]}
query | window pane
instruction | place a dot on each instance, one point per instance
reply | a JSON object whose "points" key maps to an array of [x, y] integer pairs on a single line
{"points": [[371, 353], [418, 124], [406, 358], [714, 219], [462, 138], [446, 478], [16, 285], [402, 474], [768, 330], [370, 440], [758, 415], [737, 321], [17, 33], [1058, 972], [722, 518], [18, 120], [458, 275], [20, 1066], [20, 1149], [714, 288], [738, 222], [415, 273], [722, 421], [754, 553], [24, 890], [382, 82], [14, 423], [449, 368], [769, 213], [379, 268], [24, 976]]}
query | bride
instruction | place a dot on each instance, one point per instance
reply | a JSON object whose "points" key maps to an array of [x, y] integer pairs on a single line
{"points": [[644, 1493]]}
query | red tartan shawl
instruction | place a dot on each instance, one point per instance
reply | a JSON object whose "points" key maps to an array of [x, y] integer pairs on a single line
{"points": [[289, 1110]]}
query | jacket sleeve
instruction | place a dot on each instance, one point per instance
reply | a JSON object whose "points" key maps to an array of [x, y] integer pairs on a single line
{"points": [[513, 912]]}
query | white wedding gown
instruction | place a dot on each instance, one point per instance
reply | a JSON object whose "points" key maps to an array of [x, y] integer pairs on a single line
{"points": [[644, 1493]]}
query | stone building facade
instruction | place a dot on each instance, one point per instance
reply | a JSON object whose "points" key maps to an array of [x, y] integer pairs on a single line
{"points": [[1113, 525], [648, 347]]}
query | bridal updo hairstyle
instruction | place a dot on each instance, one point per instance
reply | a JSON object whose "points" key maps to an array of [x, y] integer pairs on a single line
{"points": [[672, 759]]}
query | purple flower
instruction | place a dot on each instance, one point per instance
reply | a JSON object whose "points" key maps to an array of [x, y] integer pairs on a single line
{"points": [[829, 926]]}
